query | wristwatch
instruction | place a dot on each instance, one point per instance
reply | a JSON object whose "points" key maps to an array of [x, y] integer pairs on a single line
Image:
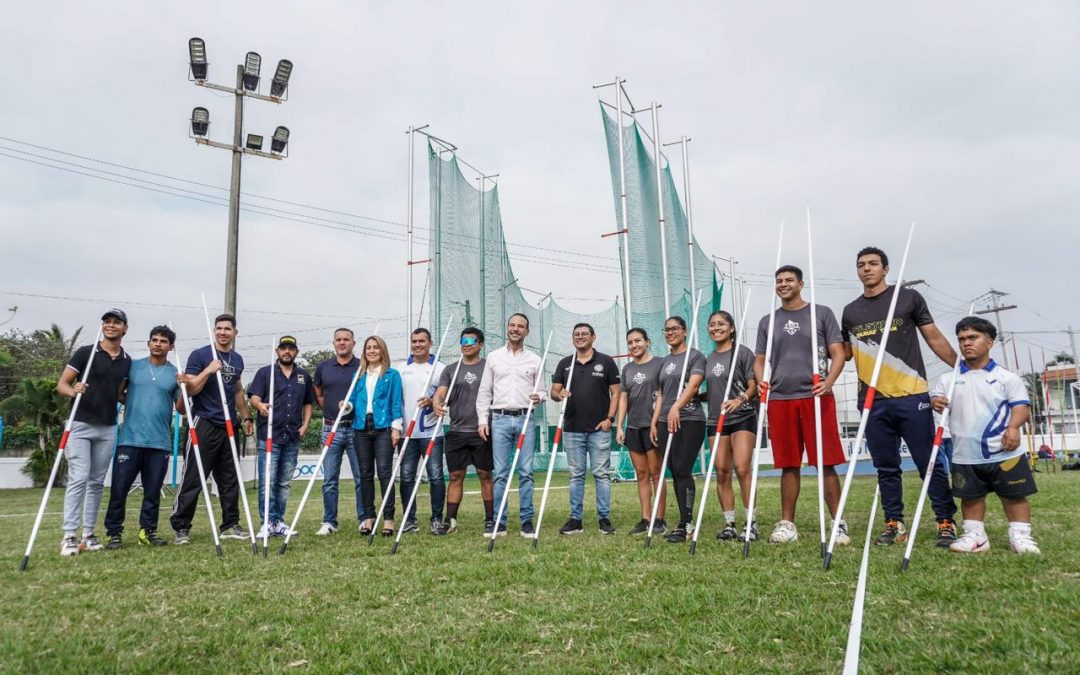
{"points": [[611, 418]]}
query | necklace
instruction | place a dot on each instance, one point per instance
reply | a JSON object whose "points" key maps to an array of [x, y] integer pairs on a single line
{"points": [[153, 375]]}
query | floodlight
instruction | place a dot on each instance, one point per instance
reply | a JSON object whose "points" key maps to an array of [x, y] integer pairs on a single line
{"points": [[252, 65], [200, 121], [281, 78], [254, 142], [279, 140], [197, 54]]}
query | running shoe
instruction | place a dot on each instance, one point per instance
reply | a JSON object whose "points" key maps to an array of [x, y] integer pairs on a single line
{"points": [[437, 527], [946, 533], [489, 527], [235, 532], [263, 532], [150, 538], [842, 536], [69, 545], [280, 529], [90, 543], [182, 537], [326, 529], [1022, 543], [116, 542], [572, 526], [606, 526], [450, 525], [660, 526], [527, 530], [409, 527], [729, 533], [894, 533], [971, 542], [753, 532], [784, 533], [641, 528], [678, 535]]}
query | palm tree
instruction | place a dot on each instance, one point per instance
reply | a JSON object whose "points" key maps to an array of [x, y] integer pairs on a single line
{"points": [[38, 400], [55, 345]]}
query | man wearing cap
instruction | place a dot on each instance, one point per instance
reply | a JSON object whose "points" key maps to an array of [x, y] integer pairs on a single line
{"points": [[332, 380], [294, 398], [93, 431]]}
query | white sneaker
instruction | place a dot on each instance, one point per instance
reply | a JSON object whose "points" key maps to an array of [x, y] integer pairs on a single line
{"points": [[69, 545], [1023, 543], [90, 543], [262, 532], [784, 533], [325, 529], [969, 542], [283, 530], [842, 536]]}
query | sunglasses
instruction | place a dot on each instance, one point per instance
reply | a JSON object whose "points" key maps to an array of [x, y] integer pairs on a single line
{"points": [[469, 341]]}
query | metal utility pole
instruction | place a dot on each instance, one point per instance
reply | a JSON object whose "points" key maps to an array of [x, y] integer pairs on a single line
{"points": [[658, 157], [683, 140], [409, 261], [996, 309], [247, 85], [735, 290], [483, 252]]}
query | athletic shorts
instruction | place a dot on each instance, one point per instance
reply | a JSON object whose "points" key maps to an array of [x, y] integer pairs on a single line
{"points": [[747, 424], [1011, 479], [791, 428], [637, 440], [463, 448]]}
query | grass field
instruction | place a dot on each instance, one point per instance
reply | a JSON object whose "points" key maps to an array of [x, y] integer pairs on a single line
{"points": [[578, 604]]}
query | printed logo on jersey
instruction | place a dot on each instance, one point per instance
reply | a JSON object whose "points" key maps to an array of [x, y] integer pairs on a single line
{"points": [[791, 327], [598, 368], [470, 378], [670, 368], [639, 378], [718, 370], [228, 372]]}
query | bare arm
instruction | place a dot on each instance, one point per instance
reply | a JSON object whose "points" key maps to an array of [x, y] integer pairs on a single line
{"points": [[308, 410], [759, 373], [318, 394], [557, 392], [848, 353], [938, 344], [195, 383], [836, 366], [1010, 440], [67, 386]]}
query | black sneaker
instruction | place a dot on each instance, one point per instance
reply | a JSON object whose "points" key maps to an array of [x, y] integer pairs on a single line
{"points": [[409, 526], [527, 530], [437, 527], [729, 533], [150, 538], [606, 527], [489, 527], [753, 532], [946, 533], [115, 542], [182, 537], [641, 528], [894, 533], [234, 532], [678, 535], [660, 526], [572, 526]]}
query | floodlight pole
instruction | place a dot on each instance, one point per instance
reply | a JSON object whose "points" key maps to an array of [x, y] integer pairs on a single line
{"points": [[409, 262]]}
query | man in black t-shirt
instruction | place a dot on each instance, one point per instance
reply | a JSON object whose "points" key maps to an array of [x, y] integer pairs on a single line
{"points": [[592, 401], [93, 431], [901, 400]]}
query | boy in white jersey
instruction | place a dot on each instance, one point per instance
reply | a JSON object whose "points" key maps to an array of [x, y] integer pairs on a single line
{"points": [[989, 406]]}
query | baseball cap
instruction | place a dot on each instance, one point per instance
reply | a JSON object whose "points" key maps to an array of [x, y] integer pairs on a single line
{"points": [[114, 312], [287, 341]]}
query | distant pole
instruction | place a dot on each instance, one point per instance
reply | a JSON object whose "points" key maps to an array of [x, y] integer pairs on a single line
{"points": [[658, 154], [232, 247], [622, 201], [409, 325], [996, 309]]}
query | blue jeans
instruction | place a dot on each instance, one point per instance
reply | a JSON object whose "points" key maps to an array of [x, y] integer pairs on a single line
{"points": [[282, 464], [595, 447], [342, 445], [504, 434], [410, 462]]}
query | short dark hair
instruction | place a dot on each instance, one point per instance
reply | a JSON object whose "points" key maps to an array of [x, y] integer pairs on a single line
{"points": [[473, 330], [347, 330], [789, 268], [583, 325], [873, 250], [638, 330], [422, 331], [165, 332], [677, 319], [521, 315], [977, 324], [225, 317]]}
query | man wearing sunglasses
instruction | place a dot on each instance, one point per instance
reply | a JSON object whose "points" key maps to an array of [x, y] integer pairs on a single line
{"points": [[464, 446]]}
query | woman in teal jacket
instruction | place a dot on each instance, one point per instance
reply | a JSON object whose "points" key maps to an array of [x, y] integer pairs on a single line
{"points": [[378, 409]]}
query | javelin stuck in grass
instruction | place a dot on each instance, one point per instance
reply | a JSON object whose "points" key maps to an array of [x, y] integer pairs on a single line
{"points": [[405, 440], [269, 453], [868, 403], [763, 407], [938, 435], [59, 455], [427, 455], [671, 436], [517, 446], [815, 364], [719, 426], [230, 431], [854, 642], [554, 449], [198, 456], [322, 455]]}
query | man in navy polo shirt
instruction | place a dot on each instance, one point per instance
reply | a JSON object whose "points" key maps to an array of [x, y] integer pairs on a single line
{"points": [[208, 412], [294, 398], [332, 380], [93, 431], [590, 411]]}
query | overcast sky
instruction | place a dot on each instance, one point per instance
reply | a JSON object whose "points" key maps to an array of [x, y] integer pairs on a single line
{"points": [[960, 116]]}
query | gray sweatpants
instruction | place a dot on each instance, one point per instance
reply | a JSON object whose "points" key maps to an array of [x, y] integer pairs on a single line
{"points": [[89, 452]]}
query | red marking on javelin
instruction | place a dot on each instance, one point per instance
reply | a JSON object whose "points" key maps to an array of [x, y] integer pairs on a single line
{"points": [[228, 427], [430, 447], [194, 437], [558, 435], [521, 441], [412, 423], [330, 439], [63, 439], [868, 402], [938, 436], [269, 444], [817, 378]]}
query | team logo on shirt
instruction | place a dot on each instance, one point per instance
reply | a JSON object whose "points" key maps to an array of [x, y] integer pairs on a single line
{"points": [[470, 378], [598, 368], [718, 370], [670, 368], [639, 378], [299, 379], [791, 327]]}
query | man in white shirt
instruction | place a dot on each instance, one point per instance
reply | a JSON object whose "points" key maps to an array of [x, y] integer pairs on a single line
{"points": [[506, 388], [418, 384]]}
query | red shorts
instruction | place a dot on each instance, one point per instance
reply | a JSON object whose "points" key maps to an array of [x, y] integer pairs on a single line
{"points": [[791, 426]]}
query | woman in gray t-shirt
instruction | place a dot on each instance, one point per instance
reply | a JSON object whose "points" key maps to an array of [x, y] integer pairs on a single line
{"points": [[637, 396], [738, 433], [679, 413]]}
